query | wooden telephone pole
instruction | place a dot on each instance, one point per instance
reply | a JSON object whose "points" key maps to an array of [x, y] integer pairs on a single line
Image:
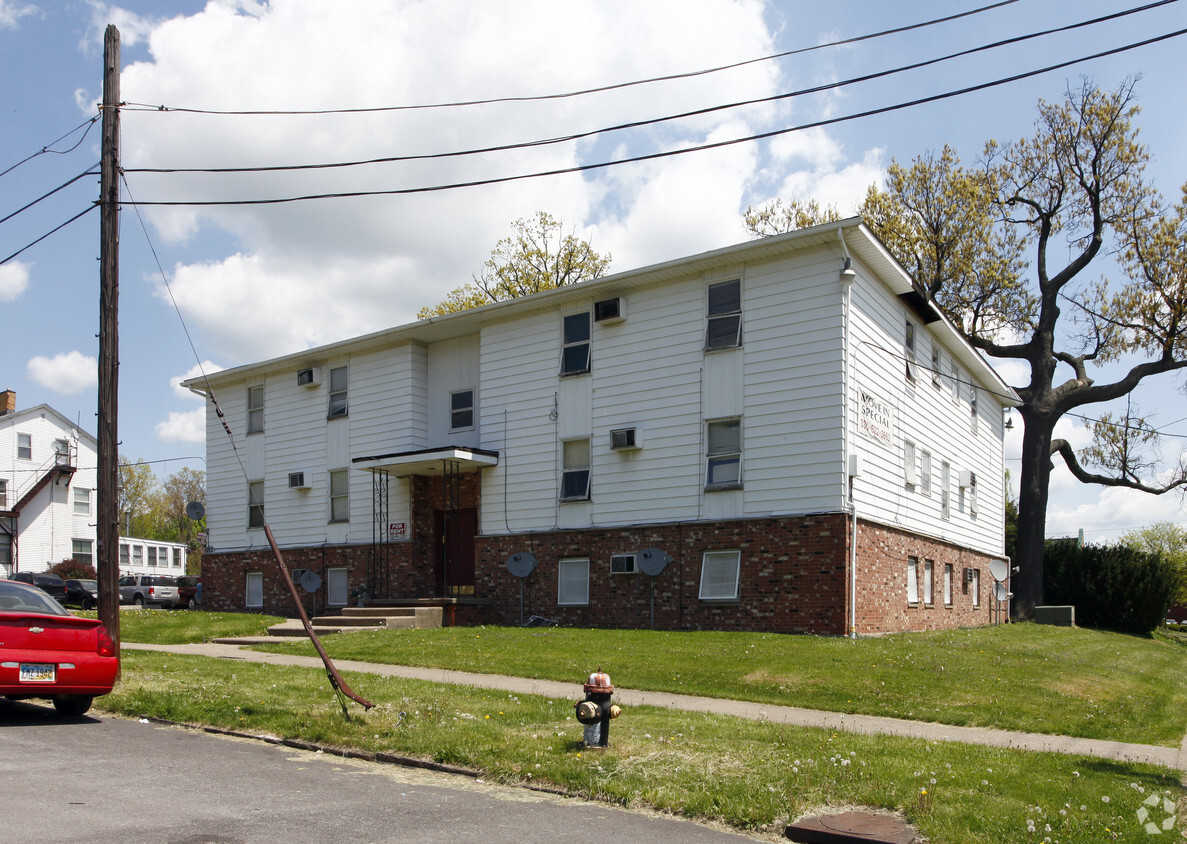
{"points": [[109, 274]]}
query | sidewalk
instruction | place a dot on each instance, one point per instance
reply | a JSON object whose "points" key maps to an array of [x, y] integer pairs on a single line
{"points": [[1167, 757]]}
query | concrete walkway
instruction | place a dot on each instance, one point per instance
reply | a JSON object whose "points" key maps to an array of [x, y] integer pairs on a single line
{"points": [[1167, 757]]}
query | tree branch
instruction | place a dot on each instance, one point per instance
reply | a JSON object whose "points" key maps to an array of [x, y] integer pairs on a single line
{"points": [[1064, 449]]}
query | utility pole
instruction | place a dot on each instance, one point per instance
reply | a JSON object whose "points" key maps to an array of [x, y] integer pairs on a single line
{"points": [[108, 529]]}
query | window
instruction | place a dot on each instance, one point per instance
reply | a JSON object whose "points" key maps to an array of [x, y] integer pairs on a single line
{"points": [[945, 482], [936, 361], [338, 402], [80, 549], [336, 583], [176, 558], [3, 494], [5, 554], [24, 446], [82, 501], [461, 410], [572, 582], [975, 587], [973, 406], [254, 589], [575, 353], [152, 555], [255, 504], [124, 555], [972, 495], [912, 580], [909, 350], [575, 474], [724, 454], [719, 575], [928, 571], [909, 475], [255, 410], [724, 327], [925, 472], [339, 496], [947, 584], [137, 555]]}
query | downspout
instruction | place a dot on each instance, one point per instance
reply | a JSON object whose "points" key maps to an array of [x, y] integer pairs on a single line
{"points": [[847, 278]]}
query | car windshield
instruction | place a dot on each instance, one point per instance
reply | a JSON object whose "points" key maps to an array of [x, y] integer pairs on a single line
{"points": [[17, 597], [161, 581]]}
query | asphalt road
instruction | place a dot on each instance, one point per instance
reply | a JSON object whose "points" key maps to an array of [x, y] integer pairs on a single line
{"points": [[110, 779]]}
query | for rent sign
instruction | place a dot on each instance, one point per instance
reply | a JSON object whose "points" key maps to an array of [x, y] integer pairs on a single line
{"points": [[875, 417]]}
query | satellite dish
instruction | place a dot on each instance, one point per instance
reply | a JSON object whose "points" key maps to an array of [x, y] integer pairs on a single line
{"points": [[310, 580], [1000, 570], [195, 510], [999, 591], [653, 561], [522, 564]]}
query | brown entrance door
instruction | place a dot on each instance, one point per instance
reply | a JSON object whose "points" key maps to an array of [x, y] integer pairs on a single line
{"points": [[455, 551]]}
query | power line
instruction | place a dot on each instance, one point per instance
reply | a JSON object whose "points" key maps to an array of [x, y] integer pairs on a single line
{"points": [[46, 149], [85, 211], [670, 153], [583, 92], [652, 121], [90, 171]]}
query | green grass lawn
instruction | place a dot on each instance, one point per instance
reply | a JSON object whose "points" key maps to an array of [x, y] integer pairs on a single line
{"points": [[1064, 681], [754, 776]]}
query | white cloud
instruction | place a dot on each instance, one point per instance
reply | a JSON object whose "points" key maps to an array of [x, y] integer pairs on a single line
{"points": [[11, 13], [196, 371], [1113, 512], [14, 278], [188, 427], [133, 28], [67, 373]]}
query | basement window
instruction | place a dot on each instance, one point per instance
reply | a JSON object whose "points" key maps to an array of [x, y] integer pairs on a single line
{"points": [[720, 572]]}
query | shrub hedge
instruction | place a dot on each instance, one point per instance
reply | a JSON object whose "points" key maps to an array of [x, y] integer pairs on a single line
{"points": [[1115, 587]]}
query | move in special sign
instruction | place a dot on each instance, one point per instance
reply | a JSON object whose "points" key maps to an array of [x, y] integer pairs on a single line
{"points": [[875, 417]]}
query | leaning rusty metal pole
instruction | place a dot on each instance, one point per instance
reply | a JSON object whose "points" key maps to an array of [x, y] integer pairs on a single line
{"points": [[107, 530], [335, 678]]}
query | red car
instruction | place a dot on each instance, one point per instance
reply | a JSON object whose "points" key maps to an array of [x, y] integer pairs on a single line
{"points": [[45, 652]]}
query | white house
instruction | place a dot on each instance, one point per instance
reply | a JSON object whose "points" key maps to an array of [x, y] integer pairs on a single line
{"points": [[47, 488], [780, 435]]}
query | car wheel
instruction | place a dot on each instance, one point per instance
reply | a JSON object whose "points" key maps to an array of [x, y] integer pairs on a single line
{"points": [[193, 603], [138, 601], [88, 604], [72, 706]]}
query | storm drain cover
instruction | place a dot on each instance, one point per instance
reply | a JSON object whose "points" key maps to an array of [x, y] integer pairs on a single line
{"points": [[851, 828]]}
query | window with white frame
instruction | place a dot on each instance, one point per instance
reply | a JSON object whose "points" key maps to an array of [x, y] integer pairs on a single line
{"points": [[973, 495], [724, 454], [255, 409], [255, 504], [910, 478], [5, 554], [82, 550], [975, 587], [945, 486], [720, 572], [336, 583], [572, 582], [137, 555], [928, 576], [339, 496], [24, 446], [724, 327], [125, 555], [254, 589], [152, 555], [461, 410], [937, 361], [575, 471], [973, 406], [3, 494], [909, 349], [339, 403], [947, 584], [575, 351], [912, 580], [82, 501], [925, 472]]}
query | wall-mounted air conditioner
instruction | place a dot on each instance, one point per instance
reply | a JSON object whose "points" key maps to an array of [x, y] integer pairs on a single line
{"points": [[626, 439], [310, 377], [298, 480], [610, 310], [968, 478], [622, 564]]}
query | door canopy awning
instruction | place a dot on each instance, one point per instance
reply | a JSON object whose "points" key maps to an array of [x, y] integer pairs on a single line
{"points": [[430, 461]]}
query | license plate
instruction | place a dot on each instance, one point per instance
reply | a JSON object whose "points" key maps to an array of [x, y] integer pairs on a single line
{"points": [[37, 672]]}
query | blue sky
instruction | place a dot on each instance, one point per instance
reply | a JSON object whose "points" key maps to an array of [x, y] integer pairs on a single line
{"points": [[256, 281]]}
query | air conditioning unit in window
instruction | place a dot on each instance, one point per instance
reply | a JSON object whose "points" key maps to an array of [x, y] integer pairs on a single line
{"points": [[297, 480], [622, 564], [310, 377], [626, 439], [610, 310], [968, 479]]}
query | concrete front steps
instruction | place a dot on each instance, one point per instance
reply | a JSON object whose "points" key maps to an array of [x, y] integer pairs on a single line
{"points": [[354, 619]]}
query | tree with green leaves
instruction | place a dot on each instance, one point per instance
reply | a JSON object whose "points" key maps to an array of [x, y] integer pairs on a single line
{"points": [[1004, 249], [1169, 541], [137, 489], [537, 256]]}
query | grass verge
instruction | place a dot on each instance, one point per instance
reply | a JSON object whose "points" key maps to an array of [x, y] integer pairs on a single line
{"points": [[753, 776]]}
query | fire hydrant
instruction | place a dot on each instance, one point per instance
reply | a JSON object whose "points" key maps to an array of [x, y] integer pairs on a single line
{"points": [[595, 711]]}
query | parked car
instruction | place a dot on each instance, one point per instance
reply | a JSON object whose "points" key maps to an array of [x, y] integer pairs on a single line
{"points": [[187, 591], [145, 589], [46, 652], [51, 583], [82, 593]]}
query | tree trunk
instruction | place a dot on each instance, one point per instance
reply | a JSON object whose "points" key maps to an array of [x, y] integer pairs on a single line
{"points": [[1027, 584]]}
